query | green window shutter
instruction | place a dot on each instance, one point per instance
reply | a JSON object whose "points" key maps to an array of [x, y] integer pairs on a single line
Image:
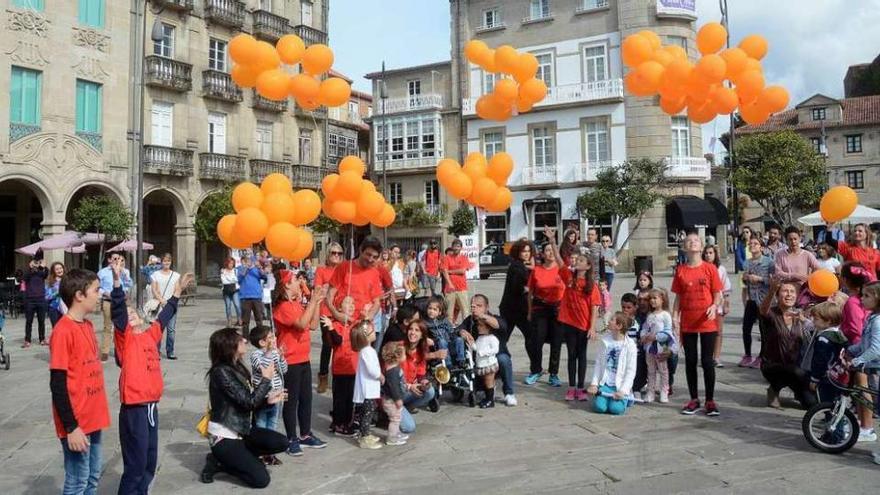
{"points": [[29, 4], [88, 106], [91, 13], [80, 105], [15, 95], [25, 96]]}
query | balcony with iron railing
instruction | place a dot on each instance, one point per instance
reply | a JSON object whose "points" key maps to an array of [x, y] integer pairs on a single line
{"points": [[175, 5], [488, 28], [688, 168], [269, 26], [260, 169], [222, 167], [318, 113], [220, 86], [261, 103], [594, 91], [538, 17], [168, 74], [310, 35], [163, 160], [342, 114], [426, 162], [678, 168], [229, 13], [426, 101], [306, 176], [587, 6]]}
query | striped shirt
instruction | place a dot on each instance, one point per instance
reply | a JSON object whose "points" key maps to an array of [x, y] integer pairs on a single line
{"points": [[260, 359]]}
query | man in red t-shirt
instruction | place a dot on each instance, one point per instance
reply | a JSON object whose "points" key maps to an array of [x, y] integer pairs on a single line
{"points": [[454, 268], [76, 380], [361, 279], [698, 297], [431, 267]]}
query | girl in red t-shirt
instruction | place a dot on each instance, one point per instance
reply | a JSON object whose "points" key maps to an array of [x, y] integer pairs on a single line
{"points": [[697, 289], [344, 369]]}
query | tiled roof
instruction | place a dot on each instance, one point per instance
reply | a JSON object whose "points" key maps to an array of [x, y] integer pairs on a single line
{"points": [[864, 110]]}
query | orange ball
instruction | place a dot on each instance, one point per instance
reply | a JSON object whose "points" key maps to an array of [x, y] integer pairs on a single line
{"points": [[243, 49], [823, 283], [273, 84], [506, 90], [278, 207], [724, 100], [474, 49], [290, 49], [245, 76], [317, 59], [506, 59], [275, 183], [246, 195], [226, 232], [281, 239], [672, 106], [677, 72], [328, 186], [303, 86], [526, 67], [475, 169], [490, 107], [486, 60], [711, 68], [306, 207], [251, 225], [304, 245], [500, 167], [749, 85], [267, 57], [702, 114], [735, 59], [352, 163], [753, 114], [755, 46], [349, 186], [385, 218], [711, 37], [677, 52], [635, 86], [369, 205], [636, 49], [523, 105], [446, 170], [460, 186], [334, 92], [652, 38], [663, 57], [838, 203]]}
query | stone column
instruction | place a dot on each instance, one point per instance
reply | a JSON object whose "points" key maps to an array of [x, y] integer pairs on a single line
{"points": [[186, 248]]}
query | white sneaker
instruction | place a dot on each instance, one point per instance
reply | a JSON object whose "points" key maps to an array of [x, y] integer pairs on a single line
{"points": [[876, 456], [649, 397], [664, 396], [510, 400], [867, 436], [637, 396]]}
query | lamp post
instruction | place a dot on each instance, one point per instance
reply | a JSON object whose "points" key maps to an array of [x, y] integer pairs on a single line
{"points": [[383, 95], [725, 21]]}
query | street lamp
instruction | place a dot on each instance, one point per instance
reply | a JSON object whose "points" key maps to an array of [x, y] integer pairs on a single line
{"points": [[383, 95], [725, 21]]}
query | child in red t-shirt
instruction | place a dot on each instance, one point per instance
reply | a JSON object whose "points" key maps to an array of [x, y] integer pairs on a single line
{"points": [[140, 383], [697, 289], [76, 380], [344, 367]]}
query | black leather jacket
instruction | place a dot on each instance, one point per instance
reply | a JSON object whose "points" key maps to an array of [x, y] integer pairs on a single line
{"points": [[232, 399]]}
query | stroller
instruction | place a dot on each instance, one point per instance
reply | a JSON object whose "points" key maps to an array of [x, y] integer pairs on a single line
{"points": [[4, 356]]}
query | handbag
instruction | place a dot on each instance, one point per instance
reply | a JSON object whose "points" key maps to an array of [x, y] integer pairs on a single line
{"points": [[202, 425], [151, 307], [229, 290]]}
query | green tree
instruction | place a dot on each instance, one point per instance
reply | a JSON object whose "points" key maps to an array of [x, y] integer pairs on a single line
{"points": [[326, 225], [212, 209], [464, 221], [103, 215], [780, 171], [416, 214], [625, 192]]}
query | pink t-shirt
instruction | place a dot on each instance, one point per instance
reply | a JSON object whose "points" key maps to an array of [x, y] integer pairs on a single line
{"points": [[789, 266], [854, 316]]}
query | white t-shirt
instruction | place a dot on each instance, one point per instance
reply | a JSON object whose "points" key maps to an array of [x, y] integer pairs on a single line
{"points": [[166, 283], [830, 264], [366, 381], [612, 360]]}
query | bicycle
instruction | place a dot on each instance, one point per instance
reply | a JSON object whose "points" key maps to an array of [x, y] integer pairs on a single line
{"points": [[833, 427]]}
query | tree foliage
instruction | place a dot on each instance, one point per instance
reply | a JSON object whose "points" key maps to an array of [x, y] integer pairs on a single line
{"points": [[212, 209], [625, 192], [326, 225], [780, 171], [103, 215], [416, 214], [464, 221]]}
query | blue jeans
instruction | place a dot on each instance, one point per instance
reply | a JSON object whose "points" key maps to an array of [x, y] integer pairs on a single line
{"points": [[169, 337], [602, 404], [139, 439], [379, 325], [232, 304], [407, 423], [505, 367], [82, 470], [609, 277], [456, 353], [267, 417]]}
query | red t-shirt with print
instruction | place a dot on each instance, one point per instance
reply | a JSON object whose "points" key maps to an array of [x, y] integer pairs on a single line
{"points": [[362, 284], [323, 274], [546, 284], [73, 349], [696, 287], [345, 359], [576, 308]]}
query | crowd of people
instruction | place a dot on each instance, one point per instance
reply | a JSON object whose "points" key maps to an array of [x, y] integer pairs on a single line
{"points": [[387, 319]]}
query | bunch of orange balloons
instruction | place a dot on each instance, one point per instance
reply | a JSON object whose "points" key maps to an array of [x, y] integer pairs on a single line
{"points": [[274, 212], [838, 203], [349, 198], [480, 182], [519, 92], [259, 64], [700, 87]]}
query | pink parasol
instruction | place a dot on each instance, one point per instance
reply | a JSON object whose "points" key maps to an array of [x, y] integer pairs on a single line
{"points": [[129, 246], [66, 240]]}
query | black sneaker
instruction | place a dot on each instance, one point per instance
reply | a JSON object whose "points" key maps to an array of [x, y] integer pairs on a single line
{"points": [[434, 405], [312, 442], [691, 407], [343, 431], [211, 468], [712, 409], [487, 404]]}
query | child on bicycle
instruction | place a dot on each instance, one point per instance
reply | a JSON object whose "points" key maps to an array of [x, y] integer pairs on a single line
{"points": [[865, 356], [824, 349]]}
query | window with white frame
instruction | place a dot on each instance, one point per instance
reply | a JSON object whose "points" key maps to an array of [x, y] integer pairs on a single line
{"points": [[595, 64], [491, 18], [680, 41], [681, 136], [162, 123], [395, 193], [429, 140], [306, 11], [217, 133], [593, 4], [432, 193], [539, 9], [165, 46], [381, 141], [414, 87], [493, 142], [488, 82], [397, 141], [543, 152], [495, 229], [545, 68], [596, 139], [305, 146], [217, 55], [412, 139], [353, 112], [415, 137], [263, 138], [854, 143]]}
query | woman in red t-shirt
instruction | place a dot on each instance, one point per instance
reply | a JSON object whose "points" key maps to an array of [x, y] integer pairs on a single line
{"points": [[857, 247], [419, 391], [697, 289], [577, 315], [545, 290], [322, 278]]}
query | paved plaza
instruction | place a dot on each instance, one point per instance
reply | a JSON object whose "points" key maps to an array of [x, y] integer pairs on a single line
{"points": [[543, 445]]}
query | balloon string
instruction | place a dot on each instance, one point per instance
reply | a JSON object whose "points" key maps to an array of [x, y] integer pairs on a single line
{"points": [[351, 261]]}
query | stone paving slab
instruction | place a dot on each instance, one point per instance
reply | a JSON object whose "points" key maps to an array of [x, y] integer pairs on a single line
{"points": [[544, 445]]}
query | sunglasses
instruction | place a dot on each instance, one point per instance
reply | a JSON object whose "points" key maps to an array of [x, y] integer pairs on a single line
{"points": [[336, 253]]}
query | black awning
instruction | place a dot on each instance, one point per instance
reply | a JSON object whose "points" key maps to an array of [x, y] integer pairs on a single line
{"points": [[720, 210], [687, 212], [542, 198]]}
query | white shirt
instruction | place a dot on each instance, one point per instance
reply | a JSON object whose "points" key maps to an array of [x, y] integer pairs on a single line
{"points": [[366, 381], [166, 283], [486, 348], [268, 287], [228, 277], [625, 371], [830, 264]]}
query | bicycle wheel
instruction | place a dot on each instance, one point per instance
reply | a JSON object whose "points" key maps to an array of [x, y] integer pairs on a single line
{"points": [[815, 428]]}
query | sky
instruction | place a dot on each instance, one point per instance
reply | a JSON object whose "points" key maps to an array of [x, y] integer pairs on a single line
{"points": [[812, 42]]}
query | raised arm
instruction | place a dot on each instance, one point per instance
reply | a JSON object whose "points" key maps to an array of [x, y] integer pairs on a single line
{"points": [[118, 310]]}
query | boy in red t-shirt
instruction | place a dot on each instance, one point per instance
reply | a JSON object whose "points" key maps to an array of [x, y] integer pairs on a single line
{"points": [[140, 383], [76, 380], [697, 289]]}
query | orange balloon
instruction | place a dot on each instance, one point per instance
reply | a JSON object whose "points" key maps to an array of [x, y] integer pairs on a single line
{"points": [[526, 67], [369, 205], [487, 61], [749, 85], [275, 183], [662, 57], [460, 186], [385, 218], [736, 60], [304, 86], [484, 192], [754, 45], [226, 232], [281, 239], [677, 52], [344, 211], [474, 50], [672, 106], [360, 221], [501, 201], [773, 98], [306, 207], [334, 92], [711, 68], [267, 57], [349, 186], [278, 207], [251, 225], [635, 86], [838, 203], [823, 283], [476, 156], [475, 169], [506, 90], [703, 113], [724, 100], [711, 38], [328, 186], [246, 195], [753, 114], [523, 105], [500, 167], [446, 169], [317, 59], [636, 49], [506, 58], [352, 163], [677, 72], [290, 49], [697, 87], [327, 207], [490, 107], [752, 64], [245, 76], [648, 75], [652, 38], [533, 90], [367, 187], [304, 246], [272, 84], [308, 104], [243, 49]]}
